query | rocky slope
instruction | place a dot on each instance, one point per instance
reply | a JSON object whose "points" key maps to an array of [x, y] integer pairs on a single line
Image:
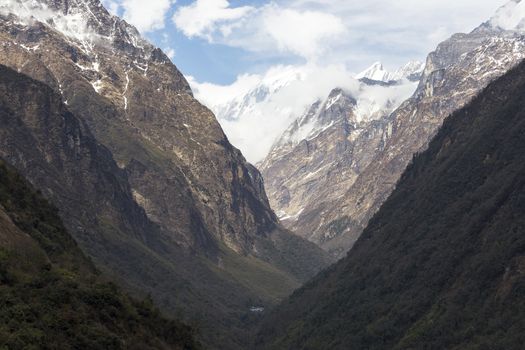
{"points": [[454, 73], [57, 152], [322, 153], [442, 264], [166, 205], [53, 297]]}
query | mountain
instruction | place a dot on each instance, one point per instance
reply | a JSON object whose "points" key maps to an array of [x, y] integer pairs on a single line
{"points": [[441, 265], [258, 90], [320, 155], [263, 106], [411, 71], [52, 295], [258, 106], [454, 73], [143, 176]]}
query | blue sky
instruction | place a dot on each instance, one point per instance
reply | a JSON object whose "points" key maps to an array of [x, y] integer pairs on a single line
{"points": [[227, 48], [195, 56], [350, 32]]}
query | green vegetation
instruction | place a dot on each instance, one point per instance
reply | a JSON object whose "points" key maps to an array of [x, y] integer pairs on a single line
{"points": [[257, 276], [337, 227], [442, 264], [51, 296]]}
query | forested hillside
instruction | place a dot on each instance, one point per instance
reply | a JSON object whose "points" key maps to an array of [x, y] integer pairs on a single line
{"points": [[442, 264], [51, 296]]}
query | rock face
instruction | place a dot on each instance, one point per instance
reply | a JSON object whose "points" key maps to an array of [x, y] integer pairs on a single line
{"points": [[100, 63], [166, 204], [442, 264], [454, 73], [323, 153]]}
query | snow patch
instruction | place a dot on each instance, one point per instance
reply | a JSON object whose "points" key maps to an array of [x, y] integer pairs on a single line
{"points": [[126, 91], [97, 85], [34, 48], [377, 72], [332, 101], [291, 217], [72, 25]]}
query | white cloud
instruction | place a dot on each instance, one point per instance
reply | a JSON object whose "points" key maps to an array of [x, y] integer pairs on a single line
{"points": [[170, 52], [147, 16], [511, 16], [334, 31], [204, 17], [396, 31], [112, 6], [254, 125], [300, 32], [266, 29]]}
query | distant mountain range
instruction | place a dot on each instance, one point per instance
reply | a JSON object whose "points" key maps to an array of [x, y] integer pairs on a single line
{"points": [[262, 107], [411, 71]]}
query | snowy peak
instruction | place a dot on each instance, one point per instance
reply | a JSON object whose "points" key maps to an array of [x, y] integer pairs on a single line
{"points": [[86, 22], [411, 71], [262, 91], [375, 72], [510, 16]]}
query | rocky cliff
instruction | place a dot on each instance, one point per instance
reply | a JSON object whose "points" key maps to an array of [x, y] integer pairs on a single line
{"points": [[143, 175], [458, 70]]}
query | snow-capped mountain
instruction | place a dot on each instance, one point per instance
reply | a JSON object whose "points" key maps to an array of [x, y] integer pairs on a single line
{"points": [[260, 91], [261, 107], [410, 71], [330, 202], [323, 151]]}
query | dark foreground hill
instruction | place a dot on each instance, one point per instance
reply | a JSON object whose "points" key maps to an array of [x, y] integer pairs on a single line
{"points": [[51, 296], [442, 264]]}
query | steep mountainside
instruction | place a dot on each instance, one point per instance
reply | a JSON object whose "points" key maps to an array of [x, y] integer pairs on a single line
{"points": [[322, 153], [51, 295], [442, 264], [454, 73], [58, 154], [168, 206]]}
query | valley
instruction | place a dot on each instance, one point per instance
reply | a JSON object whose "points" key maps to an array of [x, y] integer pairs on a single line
{"points": [[379, 209]]}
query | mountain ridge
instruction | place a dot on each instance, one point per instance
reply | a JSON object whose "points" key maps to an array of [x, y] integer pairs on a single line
{"points": [[187, 218], [444, 254], [454, 73]]}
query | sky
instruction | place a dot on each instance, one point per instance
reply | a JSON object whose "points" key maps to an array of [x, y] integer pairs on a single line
{"points": [[224, 47], [217, 40]]}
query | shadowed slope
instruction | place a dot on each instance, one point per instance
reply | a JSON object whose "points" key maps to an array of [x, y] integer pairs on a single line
{"points": [[442, 264], [51, 296]]}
